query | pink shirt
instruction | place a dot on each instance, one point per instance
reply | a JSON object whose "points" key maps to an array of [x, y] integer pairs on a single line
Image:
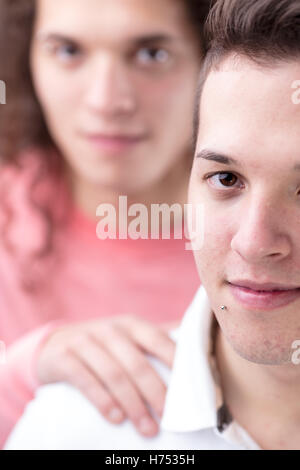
{"points": [[155, 279]]}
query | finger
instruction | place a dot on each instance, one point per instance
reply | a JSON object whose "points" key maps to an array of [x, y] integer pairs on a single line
{"points": [[118, 384], [78, 374], [141, 372], [150, 338], [167, 327]]}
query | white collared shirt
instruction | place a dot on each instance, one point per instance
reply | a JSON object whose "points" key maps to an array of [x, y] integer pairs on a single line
{"points": [[195, 417]]}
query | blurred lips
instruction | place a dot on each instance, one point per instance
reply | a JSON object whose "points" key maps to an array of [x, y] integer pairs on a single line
{"points": [[116, 142], [265, 296]]}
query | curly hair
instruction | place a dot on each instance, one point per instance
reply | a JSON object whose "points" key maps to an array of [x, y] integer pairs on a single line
{"points": [[22, 123]]}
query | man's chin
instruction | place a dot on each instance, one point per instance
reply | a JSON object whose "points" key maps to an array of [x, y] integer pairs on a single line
{"points": [[268, 356]]}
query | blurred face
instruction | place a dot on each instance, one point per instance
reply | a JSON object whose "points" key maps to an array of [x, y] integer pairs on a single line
{"points": [[116, 82], [246, 173]]}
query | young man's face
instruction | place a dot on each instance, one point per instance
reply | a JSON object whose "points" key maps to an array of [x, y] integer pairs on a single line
{"points": [[251, 206], [118, 93]]}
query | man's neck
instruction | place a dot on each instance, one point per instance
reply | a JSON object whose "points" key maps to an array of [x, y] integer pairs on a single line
{"points": [[263, 399]]}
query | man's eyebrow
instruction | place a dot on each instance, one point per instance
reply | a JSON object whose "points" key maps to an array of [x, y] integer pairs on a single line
{"points": [[224, 159], [217, 157], [151, 38], [138, 41], [42, 36]]}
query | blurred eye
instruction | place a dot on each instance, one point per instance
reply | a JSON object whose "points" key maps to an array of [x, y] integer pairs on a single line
{"points": [[150, 55], [223, 180], [66, 52]]}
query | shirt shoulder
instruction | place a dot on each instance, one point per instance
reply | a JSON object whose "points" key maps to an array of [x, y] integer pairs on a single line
{"points": [[61, 417]]}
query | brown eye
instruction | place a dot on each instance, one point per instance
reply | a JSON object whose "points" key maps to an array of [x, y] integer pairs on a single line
{"points": [[227, 179], [223, 179]]}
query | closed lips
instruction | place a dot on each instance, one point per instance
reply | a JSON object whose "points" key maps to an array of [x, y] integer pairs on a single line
{"points": [[266, 287]]}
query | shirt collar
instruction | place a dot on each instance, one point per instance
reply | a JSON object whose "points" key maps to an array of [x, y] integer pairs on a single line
{"points": [[194, 398]]}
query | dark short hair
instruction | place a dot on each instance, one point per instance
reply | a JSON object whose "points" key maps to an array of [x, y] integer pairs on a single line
{"points": [[265, 31]]}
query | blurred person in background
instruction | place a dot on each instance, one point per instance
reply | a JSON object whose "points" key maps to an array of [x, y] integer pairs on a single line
{"points": [[235, 382], [99, 104]]}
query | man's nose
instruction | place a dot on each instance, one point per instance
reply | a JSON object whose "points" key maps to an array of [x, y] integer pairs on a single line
{"points": [[263, 233], [110, 90]]}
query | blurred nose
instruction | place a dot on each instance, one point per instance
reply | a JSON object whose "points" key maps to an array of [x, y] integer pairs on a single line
{"points": [[263, 233], [110, 91]]}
